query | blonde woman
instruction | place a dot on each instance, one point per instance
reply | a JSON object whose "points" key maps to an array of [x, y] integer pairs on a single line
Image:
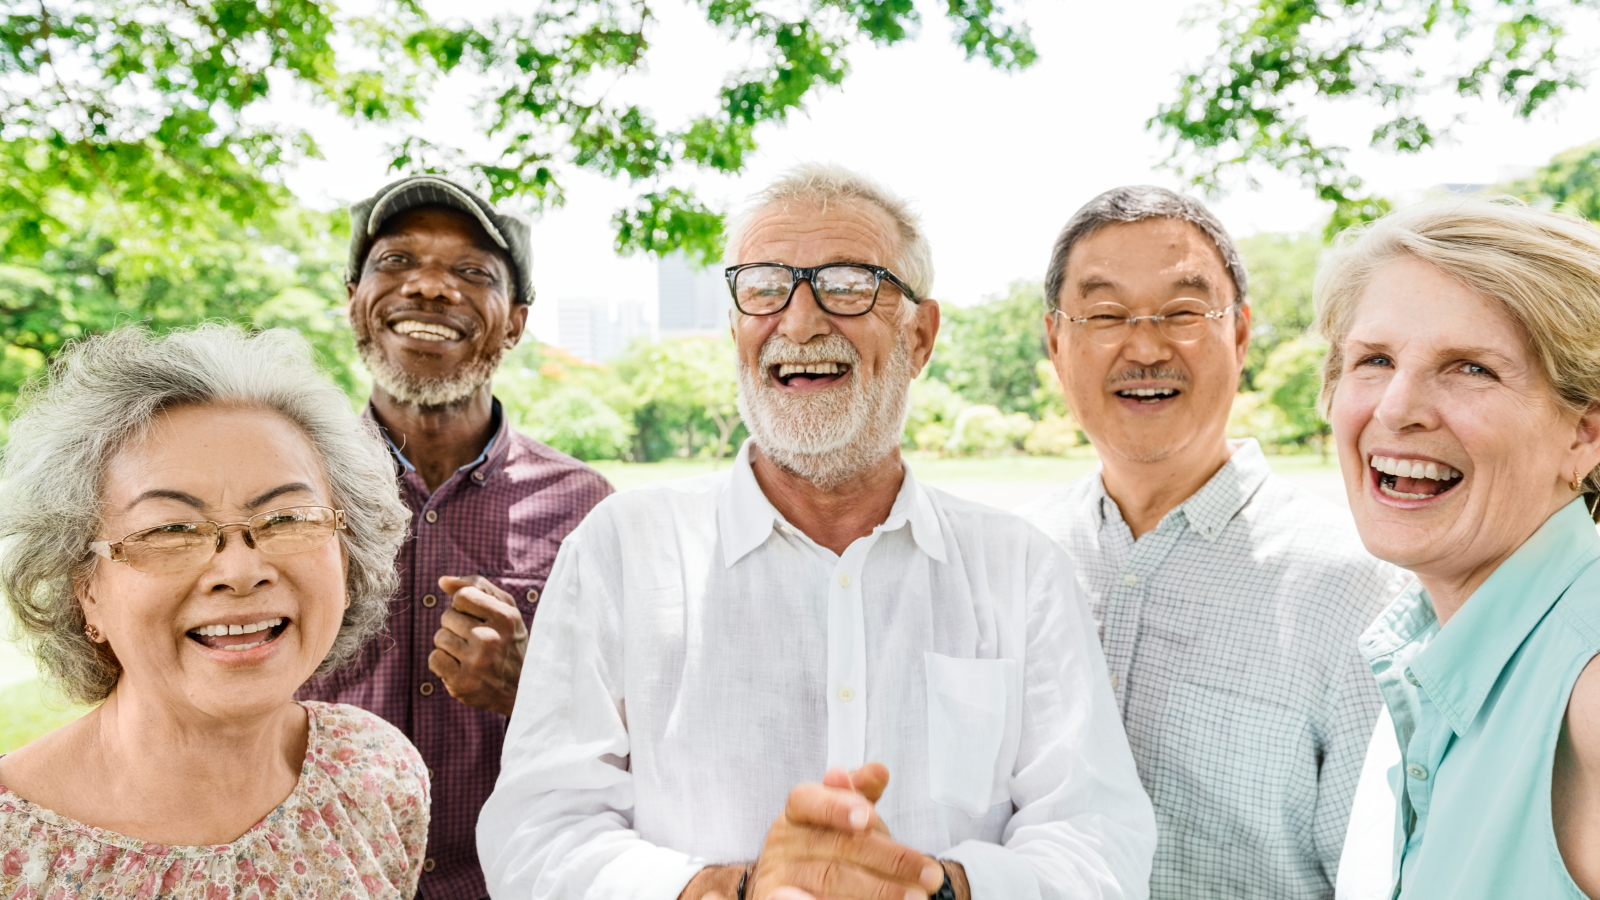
{"points": [[195, 524], [1463, 385]]}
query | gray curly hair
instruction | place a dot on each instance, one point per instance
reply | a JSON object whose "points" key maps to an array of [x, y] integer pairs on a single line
{"points": [[106, 392]]}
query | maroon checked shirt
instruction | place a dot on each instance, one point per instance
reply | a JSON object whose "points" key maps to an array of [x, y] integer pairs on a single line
{"points": [[502, 516]]}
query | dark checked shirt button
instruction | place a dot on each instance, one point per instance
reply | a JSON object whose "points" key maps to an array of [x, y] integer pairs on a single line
{"points": [[430, 774], [477, 476], [430, 601], [427, 864], [533, 596], [431, 515], [426, 689]]}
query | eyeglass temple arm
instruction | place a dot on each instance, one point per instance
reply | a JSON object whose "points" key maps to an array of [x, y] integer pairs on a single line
{"points": [[111, 550]]}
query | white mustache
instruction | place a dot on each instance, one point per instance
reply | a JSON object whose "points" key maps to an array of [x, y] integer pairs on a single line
{"points": [[779, 350]]}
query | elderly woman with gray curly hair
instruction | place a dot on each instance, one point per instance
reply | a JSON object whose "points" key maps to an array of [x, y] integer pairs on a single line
{"points": [[195, 525]]}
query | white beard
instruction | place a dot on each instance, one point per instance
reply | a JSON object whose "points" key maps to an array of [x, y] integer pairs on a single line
{"points": [[830, 436], [411, 390]]}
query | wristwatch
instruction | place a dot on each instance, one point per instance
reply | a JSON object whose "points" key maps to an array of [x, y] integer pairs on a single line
{"points": [[945, 891]]}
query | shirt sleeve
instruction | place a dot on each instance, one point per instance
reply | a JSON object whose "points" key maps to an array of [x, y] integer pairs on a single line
{"points": [[558, 824], [1083, 825], [1352, 712]]}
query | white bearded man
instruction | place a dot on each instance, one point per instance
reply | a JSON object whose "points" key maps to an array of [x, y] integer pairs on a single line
{"points": [[726, 671]]}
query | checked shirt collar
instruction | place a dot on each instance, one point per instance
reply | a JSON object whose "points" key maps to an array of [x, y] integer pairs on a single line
{"points": [[1211, 508]]}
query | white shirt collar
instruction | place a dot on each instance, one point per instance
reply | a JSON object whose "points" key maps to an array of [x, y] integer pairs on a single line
{"points": [[745, 517]]}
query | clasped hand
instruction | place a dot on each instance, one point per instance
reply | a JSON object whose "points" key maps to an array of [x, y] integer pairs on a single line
{"points": [[480, 644], [830, 844]]}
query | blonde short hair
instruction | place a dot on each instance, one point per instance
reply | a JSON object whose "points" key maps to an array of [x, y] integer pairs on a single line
{"points": [[1541, 267], [821, 184]]}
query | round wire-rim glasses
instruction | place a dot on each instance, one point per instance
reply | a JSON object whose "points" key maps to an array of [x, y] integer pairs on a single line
{"points": [[841, 289], [1181, 321], [175, 546]]}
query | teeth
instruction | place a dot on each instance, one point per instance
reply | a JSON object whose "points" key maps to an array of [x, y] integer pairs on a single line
{"points": [[219, 630], [1403, 468], [426, 331], [237, 647], [1401, 495], [824, 368], [1148, 392]]}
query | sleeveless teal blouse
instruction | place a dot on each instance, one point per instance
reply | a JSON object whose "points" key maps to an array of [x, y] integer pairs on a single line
{"points": [[1477, 707]]}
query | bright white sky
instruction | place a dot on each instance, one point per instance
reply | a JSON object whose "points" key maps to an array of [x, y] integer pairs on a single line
{"points": [[996, 163]]}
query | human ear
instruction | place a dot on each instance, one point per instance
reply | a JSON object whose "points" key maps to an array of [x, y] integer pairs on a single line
{"points": [[515, 323], [1585, 450], [1241, 335], [924, 330]]}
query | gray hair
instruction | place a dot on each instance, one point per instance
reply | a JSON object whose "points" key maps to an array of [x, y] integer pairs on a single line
{"points": [[826, 183], [1136, 203], [106, 392]]}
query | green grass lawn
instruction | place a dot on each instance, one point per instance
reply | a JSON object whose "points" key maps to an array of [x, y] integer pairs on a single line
{"points": [[27, 710]]}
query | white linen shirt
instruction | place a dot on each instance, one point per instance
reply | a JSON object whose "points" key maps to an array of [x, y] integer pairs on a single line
{"points": [[695, 657]]}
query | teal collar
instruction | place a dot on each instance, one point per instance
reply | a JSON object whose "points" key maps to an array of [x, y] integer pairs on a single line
{"points": [[1462, 663]]}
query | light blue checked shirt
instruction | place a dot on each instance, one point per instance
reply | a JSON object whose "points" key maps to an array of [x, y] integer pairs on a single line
{"points": [[1230, 636]]}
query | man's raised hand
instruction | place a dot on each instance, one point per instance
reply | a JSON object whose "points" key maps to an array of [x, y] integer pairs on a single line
{"points": [[480, 644], [829, 842]]}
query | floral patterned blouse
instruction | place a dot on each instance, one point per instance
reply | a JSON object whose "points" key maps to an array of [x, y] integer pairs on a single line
{"points": [[354, 829]]}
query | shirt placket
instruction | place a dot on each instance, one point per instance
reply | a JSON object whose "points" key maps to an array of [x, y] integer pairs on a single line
{"points": [[428, 528], [847, 658], [1125, 603], [1419, 764]]}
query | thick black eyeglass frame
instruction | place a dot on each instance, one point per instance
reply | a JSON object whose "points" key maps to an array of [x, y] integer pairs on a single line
{"points": [[797, 275]]}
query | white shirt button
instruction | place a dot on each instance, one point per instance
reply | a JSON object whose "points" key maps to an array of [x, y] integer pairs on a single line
{"points": [[846, 694], [844, 580], [1417, 772], [1130, 579]]}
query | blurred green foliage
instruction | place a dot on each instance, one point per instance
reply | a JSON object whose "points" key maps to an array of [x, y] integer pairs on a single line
{"points": [[989, 353], [1247, 106], [1570, 182], [282, 270], [161, 107]]}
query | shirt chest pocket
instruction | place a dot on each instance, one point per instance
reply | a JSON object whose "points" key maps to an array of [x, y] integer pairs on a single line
{"points": [[974, 724], [523, 588]]}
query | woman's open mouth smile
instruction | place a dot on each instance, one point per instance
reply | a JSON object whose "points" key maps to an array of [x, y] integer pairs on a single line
{"points": [[1411, 481], [239, 638]]}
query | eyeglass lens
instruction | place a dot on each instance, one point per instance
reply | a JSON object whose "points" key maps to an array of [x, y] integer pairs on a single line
{"points": [[176, 546], [842, 290], [1181, 321]]}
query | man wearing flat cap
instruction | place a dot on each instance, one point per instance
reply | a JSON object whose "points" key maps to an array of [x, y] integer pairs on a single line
{"points": [[439, 289]]}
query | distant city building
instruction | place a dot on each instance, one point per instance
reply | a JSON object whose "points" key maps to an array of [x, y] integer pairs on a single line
{"points": [[692, 300], [596, 330]]}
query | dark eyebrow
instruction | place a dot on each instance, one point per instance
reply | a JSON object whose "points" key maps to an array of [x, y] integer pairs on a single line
{"points": [[168, 494], [1093, 283], [279, 491], [1196, 280], [200, 505]]}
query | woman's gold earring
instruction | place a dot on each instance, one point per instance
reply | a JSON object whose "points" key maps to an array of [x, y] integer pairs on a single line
{"points": [[92, 632], [1576, 484]]}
